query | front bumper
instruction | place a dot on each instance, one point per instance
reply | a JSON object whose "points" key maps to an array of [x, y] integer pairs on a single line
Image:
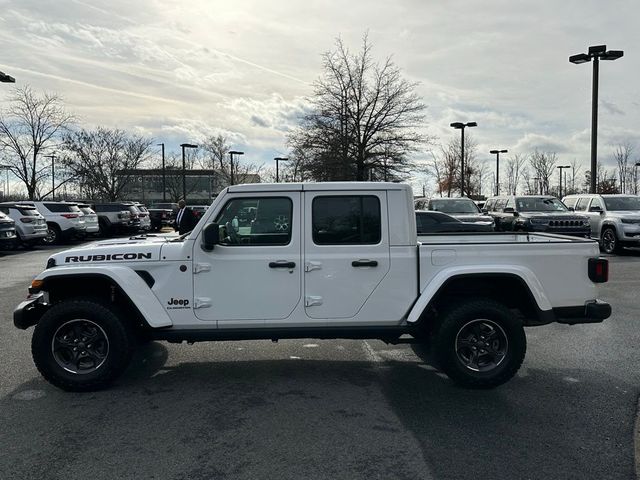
{"points": [[29, 312], [591, 312]]}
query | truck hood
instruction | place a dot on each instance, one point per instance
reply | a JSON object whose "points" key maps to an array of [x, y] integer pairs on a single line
{"points": [[109, 252], [472, 217], [624, 213]]}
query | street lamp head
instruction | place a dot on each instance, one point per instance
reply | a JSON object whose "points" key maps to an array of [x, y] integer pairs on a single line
{"points": [[457, 125], [4, 78], [494, 151], [281, 159], [235, 152], [188, 145], [471, 124], [612, 55], [580, 58], [595, 49], [160, 144]]}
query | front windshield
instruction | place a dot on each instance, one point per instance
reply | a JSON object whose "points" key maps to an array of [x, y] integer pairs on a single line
{"points": [[622, 203], [461, 205], [539, 204]]}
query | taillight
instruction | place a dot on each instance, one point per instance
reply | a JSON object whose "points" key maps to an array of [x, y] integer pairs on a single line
{"points": [[26, 220], [599, 270], [69, 215]]}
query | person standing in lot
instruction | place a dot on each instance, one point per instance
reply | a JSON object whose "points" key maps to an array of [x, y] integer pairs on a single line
{"points": [[185, 218]]}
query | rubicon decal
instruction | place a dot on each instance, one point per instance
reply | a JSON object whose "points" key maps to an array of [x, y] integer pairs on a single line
{"points": [[178, 304], [108, 257]]}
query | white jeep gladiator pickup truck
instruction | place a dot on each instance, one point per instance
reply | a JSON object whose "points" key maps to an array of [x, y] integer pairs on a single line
{"points": [[325, 260]]}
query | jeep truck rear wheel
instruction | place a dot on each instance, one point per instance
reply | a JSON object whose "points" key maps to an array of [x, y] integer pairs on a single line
{"points": [[479, 344], [81, 344]]}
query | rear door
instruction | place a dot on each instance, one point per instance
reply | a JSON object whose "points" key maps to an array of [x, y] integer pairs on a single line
{"points": [[346, 251]]}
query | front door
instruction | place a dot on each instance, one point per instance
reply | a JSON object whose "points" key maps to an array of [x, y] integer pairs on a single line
{"points": [[346, 251], [255, 273]]}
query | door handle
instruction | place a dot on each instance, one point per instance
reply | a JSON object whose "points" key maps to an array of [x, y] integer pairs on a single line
{"points": [[282, 264], [364, 263]]}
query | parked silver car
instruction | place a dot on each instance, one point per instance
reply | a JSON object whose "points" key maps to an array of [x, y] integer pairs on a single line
{"points": [[31, 227], [464, 209], [7, 233], [90, 218], [615, 219]]}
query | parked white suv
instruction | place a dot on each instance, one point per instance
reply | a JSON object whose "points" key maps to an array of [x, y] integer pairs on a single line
{"points": [[31, 227], [615, 219], [64, 220]]}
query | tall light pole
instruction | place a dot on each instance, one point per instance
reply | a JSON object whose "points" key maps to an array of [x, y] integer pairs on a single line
{"points": [[4, 78], [461, 126], [596, 53], [278, 160], [164, 178], [561, 167], [537, 184], [53, 175], [635, 179], [497, 153], [184, 171], [231, 154], [6, 188]]}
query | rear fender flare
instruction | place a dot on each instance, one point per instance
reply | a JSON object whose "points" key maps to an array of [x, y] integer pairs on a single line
{"points": [[439, 281]]}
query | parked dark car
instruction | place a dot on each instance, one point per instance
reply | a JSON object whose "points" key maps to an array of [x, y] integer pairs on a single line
{"points": [[162, 215], [438, 222], [463, 209], [8, 239], [536, 213]]}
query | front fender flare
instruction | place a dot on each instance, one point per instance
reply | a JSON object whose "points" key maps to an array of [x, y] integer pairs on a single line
{"points": [[432, 288], [127, 280]]}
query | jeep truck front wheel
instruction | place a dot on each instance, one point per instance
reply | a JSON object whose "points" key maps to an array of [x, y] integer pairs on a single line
{"points": [[479, 344], [81, 344]]}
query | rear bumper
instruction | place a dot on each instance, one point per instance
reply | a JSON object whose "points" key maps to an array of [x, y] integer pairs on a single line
{"points": [[591, 312]]}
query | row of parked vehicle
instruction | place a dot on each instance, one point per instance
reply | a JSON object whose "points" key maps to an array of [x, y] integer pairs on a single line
{"points": [[29, 223], [613, 220]]}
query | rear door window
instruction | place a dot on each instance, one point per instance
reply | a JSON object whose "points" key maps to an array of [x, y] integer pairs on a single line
{"points": [[346, 220]]}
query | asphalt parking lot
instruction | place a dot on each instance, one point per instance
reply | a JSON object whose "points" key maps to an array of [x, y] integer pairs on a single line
{"points": [[328, 409]]}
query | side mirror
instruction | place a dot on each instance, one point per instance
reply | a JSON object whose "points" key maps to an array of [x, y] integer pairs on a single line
{"points": [[484, 210], [595, 209], [571, 209], [210, 236], [508, 210]]}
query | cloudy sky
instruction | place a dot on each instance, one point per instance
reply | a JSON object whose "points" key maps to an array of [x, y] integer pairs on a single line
{"points": [[178, 70]]}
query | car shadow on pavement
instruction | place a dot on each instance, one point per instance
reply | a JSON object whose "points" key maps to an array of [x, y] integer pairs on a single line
{"points": [[320, 419]]}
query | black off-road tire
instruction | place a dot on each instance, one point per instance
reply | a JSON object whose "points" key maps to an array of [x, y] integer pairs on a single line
{"points": [[461, 319], [120, 337]]}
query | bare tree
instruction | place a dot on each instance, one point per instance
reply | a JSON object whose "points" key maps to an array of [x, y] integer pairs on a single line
{"points": [[543, 165], [625, 166], [216, 156], [364, 119], [574, 174], [103, 159], [447, 165], [514, 169], [28, 129]]}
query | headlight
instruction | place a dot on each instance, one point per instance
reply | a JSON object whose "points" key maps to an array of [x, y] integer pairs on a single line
{"points": [[630, 220]]}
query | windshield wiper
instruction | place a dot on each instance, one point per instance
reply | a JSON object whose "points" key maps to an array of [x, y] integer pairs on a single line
{"points": [[182, 237]]}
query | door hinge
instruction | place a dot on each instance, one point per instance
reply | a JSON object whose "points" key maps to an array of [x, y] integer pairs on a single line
{"points": [[201, 267], [201, 302], [311, 301], [309, 266]]}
